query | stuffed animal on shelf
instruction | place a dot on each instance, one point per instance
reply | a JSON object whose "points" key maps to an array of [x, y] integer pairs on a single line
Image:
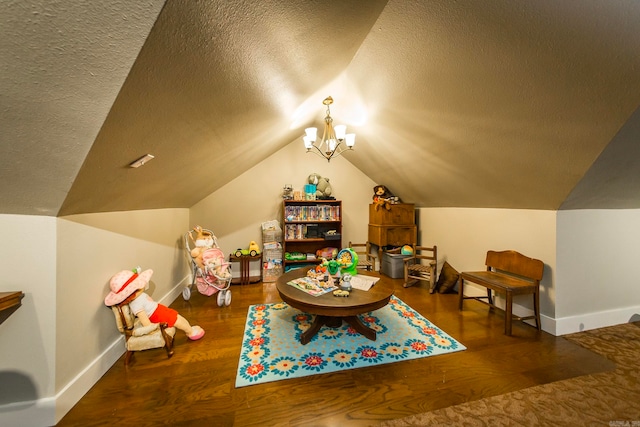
{"points": [[313, 179], [382, 196], [323, 188]]}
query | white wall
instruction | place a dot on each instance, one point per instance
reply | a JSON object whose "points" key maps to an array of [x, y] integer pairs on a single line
{"points": [[598, 251], [236, 211], [464, 235], [27, 337], [63, 338]]}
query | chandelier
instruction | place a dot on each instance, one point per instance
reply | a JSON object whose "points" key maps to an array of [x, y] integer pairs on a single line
{"points": [[334, 140]]}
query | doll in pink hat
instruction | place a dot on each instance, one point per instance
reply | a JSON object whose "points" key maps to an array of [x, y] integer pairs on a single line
{"points": [[127, 287]]}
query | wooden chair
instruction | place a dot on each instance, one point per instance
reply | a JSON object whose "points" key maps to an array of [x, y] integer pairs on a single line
{"points": [[511, 273], [138, 337], [366, 260], [422, 265]]}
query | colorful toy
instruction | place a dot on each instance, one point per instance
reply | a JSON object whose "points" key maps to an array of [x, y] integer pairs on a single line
{"points": [[253, 250], [333, 266], [407, 250], [345, 263], [295, 256], [348, 259], [211, 272], [328, 252]]}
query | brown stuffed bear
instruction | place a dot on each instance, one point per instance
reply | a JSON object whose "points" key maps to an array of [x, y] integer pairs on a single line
{"points": [[383, 197]]}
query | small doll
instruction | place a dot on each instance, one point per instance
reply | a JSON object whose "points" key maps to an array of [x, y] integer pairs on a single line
{"points": [[127, 287]]}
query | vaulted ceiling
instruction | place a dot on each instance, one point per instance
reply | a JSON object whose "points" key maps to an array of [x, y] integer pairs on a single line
{"points": [[527, 104]]}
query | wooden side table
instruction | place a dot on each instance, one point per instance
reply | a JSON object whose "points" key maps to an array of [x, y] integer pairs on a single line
{"points": [[245, 268]]}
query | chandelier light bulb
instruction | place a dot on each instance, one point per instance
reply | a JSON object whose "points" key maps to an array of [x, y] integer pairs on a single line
{"points": [[335, 140]]}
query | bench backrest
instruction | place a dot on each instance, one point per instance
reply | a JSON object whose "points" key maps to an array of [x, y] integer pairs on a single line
{"points": [[515, 263]]}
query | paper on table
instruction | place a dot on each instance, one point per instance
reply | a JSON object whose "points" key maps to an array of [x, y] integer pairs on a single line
{"points": [[362, 282]]}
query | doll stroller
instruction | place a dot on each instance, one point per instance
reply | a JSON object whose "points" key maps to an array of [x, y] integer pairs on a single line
{"points": [[210, 272]]}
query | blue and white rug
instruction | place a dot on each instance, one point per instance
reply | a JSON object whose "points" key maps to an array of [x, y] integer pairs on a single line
{"points": [[271, 348]]}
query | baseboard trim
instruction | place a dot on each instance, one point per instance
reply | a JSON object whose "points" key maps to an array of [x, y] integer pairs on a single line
{"points": [[50, 410], [601, 319], [570, 324]]}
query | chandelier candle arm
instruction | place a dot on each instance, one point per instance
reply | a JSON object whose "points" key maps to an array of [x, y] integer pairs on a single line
{"points": [[331, 145]]}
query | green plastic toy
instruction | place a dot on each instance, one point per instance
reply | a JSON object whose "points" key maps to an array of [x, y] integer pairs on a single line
{"points": [[348, 260]]}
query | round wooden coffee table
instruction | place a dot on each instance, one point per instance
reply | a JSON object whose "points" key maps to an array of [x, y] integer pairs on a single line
{"points": [[331, 310]]}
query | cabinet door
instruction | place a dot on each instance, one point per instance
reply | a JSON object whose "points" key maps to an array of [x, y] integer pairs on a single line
{"points": [[392, 235], [398, 236], [398, 214]]}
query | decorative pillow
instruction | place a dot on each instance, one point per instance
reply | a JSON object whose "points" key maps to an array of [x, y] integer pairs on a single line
{"points": [[448, 279]]}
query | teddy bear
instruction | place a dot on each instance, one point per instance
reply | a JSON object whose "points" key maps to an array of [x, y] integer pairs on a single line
{"points": [[383, 197], [323, 188]]}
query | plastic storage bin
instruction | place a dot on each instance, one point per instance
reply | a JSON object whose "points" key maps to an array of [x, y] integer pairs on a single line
{"points": [[393, 265]]}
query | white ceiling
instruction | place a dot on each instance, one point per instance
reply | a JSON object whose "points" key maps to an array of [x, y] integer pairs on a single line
{"points": [[467, 104]]}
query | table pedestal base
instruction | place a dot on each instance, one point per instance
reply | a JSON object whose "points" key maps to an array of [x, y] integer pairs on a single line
{"points": [[336, 322]]}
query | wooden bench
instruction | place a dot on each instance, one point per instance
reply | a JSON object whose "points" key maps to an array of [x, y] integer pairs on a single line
{"points": [[510, 273]]}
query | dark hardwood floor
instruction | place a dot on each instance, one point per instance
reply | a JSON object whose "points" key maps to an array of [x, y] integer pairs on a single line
{"points": [[196, 386]]}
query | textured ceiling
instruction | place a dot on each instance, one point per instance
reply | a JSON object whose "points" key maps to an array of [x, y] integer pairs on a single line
{"points": [[466, 104]]}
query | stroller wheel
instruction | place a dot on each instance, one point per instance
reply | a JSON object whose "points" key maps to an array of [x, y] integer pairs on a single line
{"points": [[227, 298], [186, 293], [220, 298]]}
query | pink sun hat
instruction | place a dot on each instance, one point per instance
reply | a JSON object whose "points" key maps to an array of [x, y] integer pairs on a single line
{"points": [[124, 284]]}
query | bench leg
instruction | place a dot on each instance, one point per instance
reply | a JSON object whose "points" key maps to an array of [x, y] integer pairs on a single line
{"points": [[508, 313], [536, 308], [490, 299]]}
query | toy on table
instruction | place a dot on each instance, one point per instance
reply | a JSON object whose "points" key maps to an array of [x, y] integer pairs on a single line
{"points": [[348, 259], [253, 250], [333, 266], [128, 286], [345, 282]]}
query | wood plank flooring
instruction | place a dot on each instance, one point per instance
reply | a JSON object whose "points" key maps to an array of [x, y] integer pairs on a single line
{"points": [[196, 386]]}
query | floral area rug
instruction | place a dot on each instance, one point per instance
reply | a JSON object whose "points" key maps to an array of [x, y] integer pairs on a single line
{"points": [[271, 348]]}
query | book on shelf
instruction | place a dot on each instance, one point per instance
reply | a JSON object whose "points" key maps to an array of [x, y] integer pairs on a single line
{"points": [[312, 213]]}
